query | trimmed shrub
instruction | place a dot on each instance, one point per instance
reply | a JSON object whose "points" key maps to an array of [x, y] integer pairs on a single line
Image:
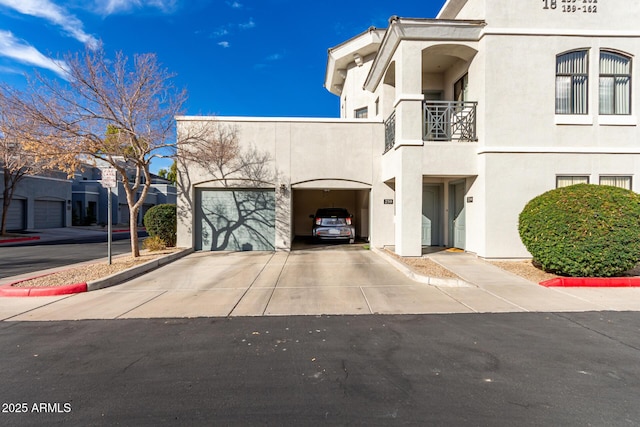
{"points": [[153, 243], [583, 230], [161, 221]]}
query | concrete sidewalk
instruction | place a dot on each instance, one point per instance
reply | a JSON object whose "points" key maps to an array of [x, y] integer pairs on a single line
{"points": [[331, 280]]}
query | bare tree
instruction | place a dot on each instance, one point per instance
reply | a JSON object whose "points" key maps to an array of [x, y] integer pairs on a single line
{"points": [[111, 109], [16, 161]]}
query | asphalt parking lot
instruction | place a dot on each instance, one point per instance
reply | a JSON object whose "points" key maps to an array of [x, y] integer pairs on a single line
{"points": [[524, 369]]}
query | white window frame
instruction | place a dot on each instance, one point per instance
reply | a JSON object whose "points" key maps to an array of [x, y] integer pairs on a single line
{"points": [[617, 109], [618, 181], [361, 113], [572, 83], [575, 179]]}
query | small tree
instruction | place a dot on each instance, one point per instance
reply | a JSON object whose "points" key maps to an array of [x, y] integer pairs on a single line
{"points": [[16, 161], [583, 230], [170, 175], [134, 101]]}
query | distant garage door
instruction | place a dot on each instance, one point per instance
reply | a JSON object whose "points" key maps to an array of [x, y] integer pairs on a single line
{"points": [[235, 220], [48, 214], [15, 216]]}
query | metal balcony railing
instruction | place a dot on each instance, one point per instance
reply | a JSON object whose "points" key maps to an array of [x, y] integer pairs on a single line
{"points": [[390, 132], [449, 121]]}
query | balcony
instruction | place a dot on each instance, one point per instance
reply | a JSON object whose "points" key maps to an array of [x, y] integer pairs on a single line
{"points": [[449, 121], [390, 132], [442, 121]]}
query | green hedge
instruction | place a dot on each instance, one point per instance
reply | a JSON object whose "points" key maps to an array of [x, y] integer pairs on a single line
{"points": [[161, 221], [583, 230]]}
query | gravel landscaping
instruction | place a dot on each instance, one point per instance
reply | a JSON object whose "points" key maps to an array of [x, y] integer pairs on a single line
{"points": [[93, 271], [425, 266]]}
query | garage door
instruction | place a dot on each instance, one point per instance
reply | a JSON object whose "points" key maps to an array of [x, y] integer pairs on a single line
{"points": [[49, 214], [235, 220], [15, 216]]}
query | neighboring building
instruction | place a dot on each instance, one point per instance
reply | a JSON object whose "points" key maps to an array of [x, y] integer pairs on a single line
{"points": [[90, 203], [53, 201], [448, 127], [39, 202]]}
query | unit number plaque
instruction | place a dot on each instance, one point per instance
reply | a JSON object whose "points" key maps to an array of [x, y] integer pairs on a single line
{"points": [[571, 6]]}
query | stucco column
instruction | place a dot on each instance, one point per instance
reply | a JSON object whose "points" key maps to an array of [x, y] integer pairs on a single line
{"points": [[408, 102], [408, 219], [408, 146]]}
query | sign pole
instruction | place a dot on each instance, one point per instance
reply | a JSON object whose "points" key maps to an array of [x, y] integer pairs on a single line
{"points": [[109, 180], [109, 223]]}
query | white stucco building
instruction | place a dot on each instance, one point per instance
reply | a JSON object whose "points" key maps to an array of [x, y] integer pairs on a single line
{"points": [[448, 127]]}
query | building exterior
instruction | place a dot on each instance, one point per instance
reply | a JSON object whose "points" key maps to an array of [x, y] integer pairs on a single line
{"points": [[53, 201], [39, 201], [447, 128], [90, 199]]}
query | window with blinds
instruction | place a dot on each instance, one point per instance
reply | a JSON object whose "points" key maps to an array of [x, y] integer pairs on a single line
{"points": [[565, 181], [572, 69], [616, 181], [615, 83]]}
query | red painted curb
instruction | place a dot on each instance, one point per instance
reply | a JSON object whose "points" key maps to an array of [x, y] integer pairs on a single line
{"points": [[19, 239], [592, 282], [12, 291]]}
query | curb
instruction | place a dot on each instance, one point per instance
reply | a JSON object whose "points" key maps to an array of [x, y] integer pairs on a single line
{"points": [[421, 278], [19, 239], [592, 282], [117, 278], [9, 290]]}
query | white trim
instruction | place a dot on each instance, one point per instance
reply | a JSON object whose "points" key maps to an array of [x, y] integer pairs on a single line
{"points": [[574, 119], [407, 97], [408, 142], [617, 120], [556, 32], [47, 178], [559, 150], [275, 119], [85, 192]]}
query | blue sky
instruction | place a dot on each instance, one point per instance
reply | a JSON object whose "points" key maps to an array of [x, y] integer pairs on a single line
{"points": [[262, 58]]}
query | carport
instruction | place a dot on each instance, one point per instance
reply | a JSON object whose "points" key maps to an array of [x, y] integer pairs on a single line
{"points": [[310, 196]]}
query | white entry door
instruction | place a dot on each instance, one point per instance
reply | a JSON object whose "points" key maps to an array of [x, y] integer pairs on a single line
{"points": [[459, 215], [431, 215]]}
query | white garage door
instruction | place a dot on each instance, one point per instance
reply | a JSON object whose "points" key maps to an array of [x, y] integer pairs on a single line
{"points": [[49, 214], [235, 220], [15, 216]]}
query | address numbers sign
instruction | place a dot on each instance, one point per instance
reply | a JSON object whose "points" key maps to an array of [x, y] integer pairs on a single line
{"points": [[571, 6]]}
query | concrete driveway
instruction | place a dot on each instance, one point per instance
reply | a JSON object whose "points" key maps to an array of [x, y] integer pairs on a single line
{"points": [[315, 280], [335, 279]]}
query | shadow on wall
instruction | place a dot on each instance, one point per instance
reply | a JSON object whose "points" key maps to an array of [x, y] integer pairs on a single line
{"points": [[236, 220]]}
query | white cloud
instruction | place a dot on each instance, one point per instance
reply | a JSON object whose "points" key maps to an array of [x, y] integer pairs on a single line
{"points": [[224, 44], [234, 4], [220, 32], [108, 7], [19, 50], [247, 25], [274, 57], [53, 13]]}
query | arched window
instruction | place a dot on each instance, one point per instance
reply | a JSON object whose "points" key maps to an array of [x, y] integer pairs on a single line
{"points": [[615, 83], [572, 82]]}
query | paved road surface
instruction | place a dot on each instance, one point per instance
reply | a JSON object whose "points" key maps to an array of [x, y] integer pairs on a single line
{"points": [[525, 369], [24, 258]]}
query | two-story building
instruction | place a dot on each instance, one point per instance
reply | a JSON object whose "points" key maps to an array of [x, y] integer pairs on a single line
{"points": [[447, 128]]}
